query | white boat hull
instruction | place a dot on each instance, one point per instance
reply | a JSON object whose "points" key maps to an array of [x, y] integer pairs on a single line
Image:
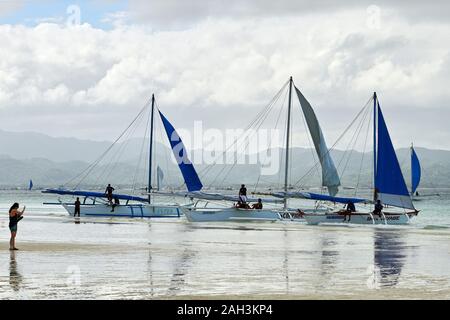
{"points": [[130, 210], [229, 215], [360, 218]]}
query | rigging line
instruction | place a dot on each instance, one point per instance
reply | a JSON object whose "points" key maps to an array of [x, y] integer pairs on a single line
{"points": [[363, 153], [165, 151], [339, 138], [282, 160], [205, 170], [354, 142], [257, 123], [247, 139], [126, 134], [141, 154], [346, 150], [238, 141], [110, 147], [111, 165], [276, 126]]}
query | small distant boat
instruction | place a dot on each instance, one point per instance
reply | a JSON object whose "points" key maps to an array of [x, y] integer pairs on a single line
{"points": [[389, 184], [30, 185], [415, 174]]}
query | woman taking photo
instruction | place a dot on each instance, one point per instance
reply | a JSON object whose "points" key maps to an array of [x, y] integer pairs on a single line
{"points": [[14, 217]]}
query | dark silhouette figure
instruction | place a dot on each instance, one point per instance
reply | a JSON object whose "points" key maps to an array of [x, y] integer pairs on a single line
{"points": [[243, 193], [77, 207], [378, 208], [350, 207], [14, 217], [115, 204], [109, 193], [258, 205]]}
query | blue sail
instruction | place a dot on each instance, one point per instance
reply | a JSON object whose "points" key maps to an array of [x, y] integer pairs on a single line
{"points": [[190, 176], [389, 182], [415, 171], [30, 185]]}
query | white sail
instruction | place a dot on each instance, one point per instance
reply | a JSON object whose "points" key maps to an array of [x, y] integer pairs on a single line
{"points": [[330, 177], [159, 177]]}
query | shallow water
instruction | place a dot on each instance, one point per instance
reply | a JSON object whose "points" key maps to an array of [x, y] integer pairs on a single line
{"points": [[171, 258]]}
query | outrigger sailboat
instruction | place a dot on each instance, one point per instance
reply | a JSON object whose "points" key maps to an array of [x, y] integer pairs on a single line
{"points": [[389, 185], [330, 180], [194, 187], [96, 203]]}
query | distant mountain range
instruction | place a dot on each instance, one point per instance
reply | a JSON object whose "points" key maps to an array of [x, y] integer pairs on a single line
{"points": [[51, 162]]}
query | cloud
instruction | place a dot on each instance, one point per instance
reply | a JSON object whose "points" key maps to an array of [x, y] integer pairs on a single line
{"points": [[87, 82], [169, 14]]}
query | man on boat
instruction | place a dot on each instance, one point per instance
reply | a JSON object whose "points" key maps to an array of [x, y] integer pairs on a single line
{"points": [[350, 207], [109, 193], [258, 205], [378, 208], [243, 193], [77, 207]]}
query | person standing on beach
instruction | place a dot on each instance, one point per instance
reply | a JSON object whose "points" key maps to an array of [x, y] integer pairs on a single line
{"points": [[77, 207], [14, 217], [109, 193]]}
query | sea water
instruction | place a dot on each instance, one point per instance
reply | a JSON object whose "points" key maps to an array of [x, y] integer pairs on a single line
{"points": [[120, 258]]}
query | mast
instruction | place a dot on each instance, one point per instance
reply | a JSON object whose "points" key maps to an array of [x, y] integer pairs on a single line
{"points": [[375, 196], [150, 154], [286, 169]]}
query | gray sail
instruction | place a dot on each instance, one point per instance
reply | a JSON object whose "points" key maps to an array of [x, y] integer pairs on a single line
{"points": [[330, 177]]}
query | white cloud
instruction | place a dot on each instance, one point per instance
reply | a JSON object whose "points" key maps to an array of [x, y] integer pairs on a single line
{"points": [[221, 70]]}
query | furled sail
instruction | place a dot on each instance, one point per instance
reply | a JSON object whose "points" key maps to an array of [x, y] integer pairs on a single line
{"points": [[190, 176], [217, 196], [330, 177], [390, 185], [415, 171], [317, 196]]}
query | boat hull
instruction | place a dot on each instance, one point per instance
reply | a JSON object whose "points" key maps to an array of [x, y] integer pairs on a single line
{"points": [[229, 215], [360, 218], [131, 210]]}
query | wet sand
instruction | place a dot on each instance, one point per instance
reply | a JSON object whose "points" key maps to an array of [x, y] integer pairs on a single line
{"points": [[173, 259]]}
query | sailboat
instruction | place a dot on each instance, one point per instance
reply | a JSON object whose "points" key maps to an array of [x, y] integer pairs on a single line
{"points": [[389, 184], [330, 180], [194, 186], [96, 203], [415, 173]]}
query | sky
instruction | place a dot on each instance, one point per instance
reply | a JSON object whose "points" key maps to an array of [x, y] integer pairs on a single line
{"points": [[85, 68]]}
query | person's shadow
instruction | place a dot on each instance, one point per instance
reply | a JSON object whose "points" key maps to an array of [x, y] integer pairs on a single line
{"points": [[15, 278]]}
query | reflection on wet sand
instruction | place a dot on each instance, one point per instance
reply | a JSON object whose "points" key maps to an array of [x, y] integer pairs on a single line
{"points": [[15, 278], [389, 257]]}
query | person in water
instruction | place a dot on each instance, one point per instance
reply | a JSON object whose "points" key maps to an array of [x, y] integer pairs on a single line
{"points": [[243, 193], [116, 203], [109, 193], [350, 207], [14, 217], [378, 208], [77, 207], [258, 205]]}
